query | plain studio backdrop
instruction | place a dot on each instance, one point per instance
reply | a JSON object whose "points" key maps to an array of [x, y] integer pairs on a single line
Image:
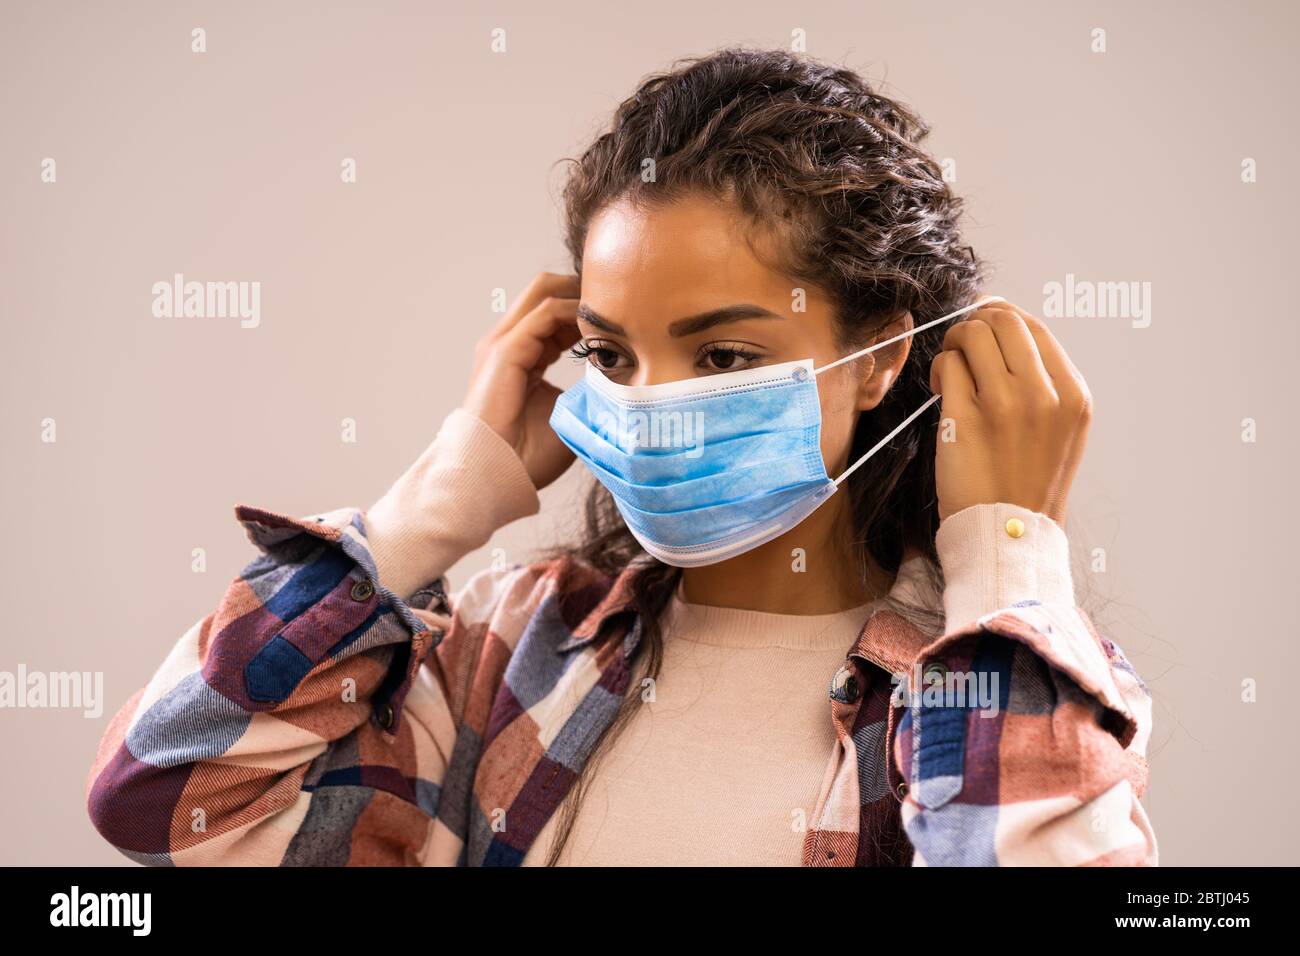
{"points": [[226, 165]]}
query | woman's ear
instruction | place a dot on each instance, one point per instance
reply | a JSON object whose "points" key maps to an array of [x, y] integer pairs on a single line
{"points": [[879, 377]]}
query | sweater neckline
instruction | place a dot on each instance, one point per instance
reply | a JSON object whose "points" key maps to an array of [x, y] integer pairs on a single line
{"points": [[742, 628]]}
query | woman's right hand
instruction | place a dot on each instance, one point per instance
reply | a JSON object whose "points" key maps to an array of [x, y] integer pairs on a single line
{"points": [[507, 390]]}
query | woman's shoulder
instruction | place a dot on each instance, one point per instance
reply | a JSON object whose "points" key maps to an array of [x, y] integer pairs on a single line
{"points": [[557, 596]]}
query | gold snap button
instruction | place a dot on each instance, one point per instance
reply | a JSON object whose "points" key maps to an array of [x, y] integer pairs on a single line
{"points": [[362, 590], [1015, 527]]}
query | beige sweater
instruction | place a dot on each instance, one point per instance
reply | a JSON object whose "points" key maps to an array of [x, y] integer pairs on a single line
{"points": [[742, 698], [657, 795]]}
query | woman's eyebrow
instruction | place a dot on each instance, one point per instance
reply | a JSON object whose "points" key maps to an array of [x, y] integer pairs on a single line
{"points": [[731, 313], [688, 326], [589, 315]]}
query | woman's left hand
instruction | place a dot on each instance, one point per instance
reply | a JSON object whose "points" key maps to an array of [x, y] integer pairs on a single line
{"points": [[1015, 414]]}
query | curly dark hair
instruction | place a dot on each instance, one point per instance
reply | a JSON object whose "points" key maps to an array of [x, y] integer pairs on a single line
{"points": [[812, 153]]}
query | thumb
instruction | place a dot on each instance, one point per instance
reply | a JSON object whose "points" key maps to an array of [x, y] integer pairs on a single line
{"points": [[950, 376]]}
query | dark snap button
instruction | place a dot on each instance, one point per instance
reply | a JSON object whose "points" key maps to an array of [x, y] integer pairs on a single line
{"points": [[362, 590], [935, 673], [845, 686], [901, 790], [386, 717]]}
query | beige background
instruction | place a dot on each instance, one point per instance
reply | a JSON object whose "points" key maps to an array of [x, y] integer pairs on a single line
{"points": [[1122, 166]]}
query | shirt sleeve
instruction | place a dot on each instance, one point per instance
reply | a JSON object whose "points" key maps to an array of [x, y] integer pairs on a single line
{"points": [[996, 555], [1019, 737], [465, 486], [308, 719]]}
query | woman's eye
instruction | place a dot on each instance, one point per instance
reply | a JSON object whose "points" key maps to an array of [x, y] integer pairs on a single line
{"points": [[605, 359], [725, 358]]}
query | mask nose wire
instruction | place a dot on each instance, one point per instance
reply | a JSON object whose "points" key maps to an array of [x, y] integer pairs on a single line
{"points": [[903, 335]]}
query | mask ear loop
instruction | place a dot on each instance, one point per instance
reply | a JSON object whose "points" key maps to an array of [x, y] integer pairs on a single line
{"points": [[903, 335], [886, 440], [880, 345]]}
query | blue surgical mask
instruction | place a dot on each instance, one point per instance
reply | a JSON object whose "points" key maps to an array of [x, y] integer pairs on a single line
{"points": [[707, 468]]}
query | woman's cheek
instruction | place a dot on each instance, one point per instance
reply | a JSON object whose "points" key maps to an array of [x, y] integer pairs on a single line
{"points": [[838, 425]]}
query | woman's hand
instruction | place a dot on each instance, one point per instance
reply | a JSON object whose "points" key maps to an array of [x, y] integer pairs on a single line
{"points": [[1015, 414], [506, 388]]}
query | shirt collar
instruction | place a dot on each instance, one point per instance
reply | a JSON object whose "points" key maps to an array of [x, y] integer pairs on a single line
{"points": [[888, 639], [579, 585]]}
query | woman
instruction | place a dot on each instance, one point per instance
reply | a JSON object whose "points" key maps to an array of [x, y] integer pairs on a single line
{"points": [[770, 293]]}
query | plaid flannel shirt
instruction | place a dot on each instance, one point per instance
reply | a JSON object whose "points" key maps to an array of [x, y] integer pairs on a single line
{"points": [[316, 718]]}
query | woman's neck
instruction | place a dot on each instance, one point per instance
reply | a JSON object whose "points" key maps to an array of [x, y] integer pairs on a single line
{"points": [[811, 569]]}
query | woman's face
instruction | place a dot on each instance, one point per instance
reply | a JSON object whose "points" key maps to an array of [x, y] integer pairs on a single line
{"points": [[675, 293]]}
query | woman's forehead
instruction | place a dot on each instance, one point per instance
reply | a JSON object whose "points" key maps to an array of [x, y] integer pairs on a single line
{"points": [[657, 265]]}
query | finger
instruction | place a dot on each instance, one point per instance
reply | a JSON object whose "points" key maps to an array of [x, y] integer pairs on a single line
{"points": [[951, 377], [974, 338], [526, 342], [1016, 342], [1071, 389], [551, 316], [567, 337], [558, 344], [1066, 378], [543, 286]]}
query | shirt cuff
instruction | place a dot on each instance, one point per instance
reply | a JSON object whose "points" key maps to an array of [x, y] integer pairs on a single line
{"points": [[468, 483], [996, 555]]}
